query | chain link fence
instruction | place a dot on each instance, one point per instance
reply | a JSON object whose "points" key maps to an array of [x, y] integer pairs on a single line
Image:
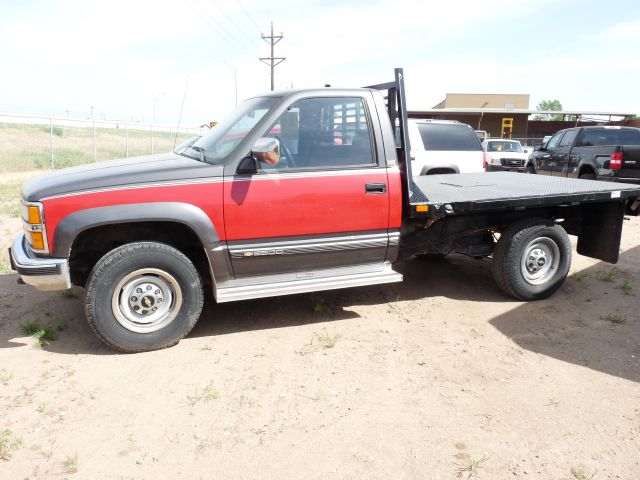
{"points": [[33, 143]]}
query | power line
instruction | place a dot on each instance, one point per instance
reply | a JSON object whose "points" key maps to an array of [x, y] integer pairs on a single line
{"points": [[231, 40], [272, 40], [251, 39], [250, 17]]}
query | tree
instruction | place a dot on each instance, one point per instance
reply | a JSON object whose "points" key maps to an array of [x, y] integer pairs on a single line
{"points": [[554, 105]]}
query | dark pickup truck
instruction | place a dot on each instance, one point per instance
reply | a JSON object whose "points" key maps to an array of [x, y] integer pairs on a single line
{"points": [[296, 191], [590, 153]]}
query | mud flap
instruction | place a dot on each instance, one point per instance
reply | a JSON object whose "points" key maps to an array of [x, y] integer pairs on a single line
{"points": [[601, 230]]}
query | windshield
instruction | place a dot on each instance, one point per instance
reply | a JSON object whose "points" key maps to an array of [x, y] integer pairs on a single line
{"points": [[226, 135], [504, 147]]}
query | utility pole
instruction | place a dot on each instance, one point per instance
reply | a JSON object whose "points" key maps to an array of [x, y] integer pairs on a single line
{"points": [[272, 61]]}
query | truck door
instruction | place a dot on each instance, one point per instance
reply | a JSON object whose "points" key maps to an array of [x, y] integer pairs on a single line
{"points": [[324, 204], [545, 158], [561, 157]]}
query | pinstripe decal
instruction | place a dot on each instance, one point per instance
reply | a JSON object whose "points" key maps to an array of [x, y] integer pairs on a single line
{"points": [[261, 176]]}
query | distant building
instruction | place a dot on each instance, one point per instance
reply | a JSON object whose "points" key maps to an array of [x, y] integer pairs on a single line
{"points": [[508, 115]]}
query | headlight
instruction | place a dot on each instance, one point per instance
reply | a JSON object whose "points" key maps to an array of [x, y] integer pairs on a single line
{"points": [[32, 214]]}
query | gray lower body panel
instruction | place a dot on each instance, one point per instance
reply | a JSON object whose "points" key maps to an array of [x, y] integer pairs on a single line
{"points": [[310, 281]]}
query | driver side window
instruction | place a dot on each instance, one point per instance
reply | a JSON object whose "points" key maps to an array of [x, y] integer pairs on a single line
{"points": [[324, 133], [552, 144]]}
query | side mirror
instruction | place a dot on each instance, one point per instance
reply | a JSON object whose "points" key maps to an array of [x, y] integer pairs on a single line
{"points": [[248, 166], [266, 150]]}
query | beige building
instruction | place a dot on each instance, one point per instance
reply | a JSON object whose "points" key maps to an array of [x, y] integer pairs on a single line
{"points": [[485, 100]]}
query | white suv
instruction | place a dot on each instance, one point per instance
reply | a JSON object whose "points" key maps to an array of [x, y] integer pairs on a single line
{"points": [[444, 146]]}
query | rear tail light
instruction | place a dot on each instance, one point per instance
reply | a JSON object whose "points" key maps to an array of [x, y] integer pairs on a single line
{"points": [[616, 161]]}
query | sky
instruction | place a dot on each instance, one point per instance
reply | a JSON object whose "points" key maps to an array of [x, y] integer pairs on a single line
{"points": [[133, 59]]}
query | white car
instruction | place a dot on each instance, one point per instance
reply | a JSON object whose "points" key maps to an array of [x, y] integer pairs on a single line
{"points": [[504, 155], [444, 146]]}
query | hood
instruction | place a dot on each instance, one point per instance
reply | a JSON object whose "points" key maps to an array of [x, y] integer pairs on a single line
{"points": [[162, 167]]}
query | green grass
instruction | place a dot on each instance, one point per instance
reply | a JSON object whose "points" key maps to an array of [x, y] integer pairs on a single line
{"points": [[472, 466], [615, 319], [70, 464], [206, 395], [580, 472], [27, 147], [626, 287], [5, 375], [43, 335], [327, 340], [10, 199], [68, 293], [9, 443], [606, 275]]}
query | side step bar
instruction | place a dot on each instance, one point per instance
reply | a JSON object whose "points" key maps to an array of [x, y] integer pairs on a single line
{"points": [[287, 284]]}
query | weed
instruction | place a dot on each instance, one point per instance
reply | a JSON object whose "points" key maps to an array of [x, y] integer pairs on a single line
{"points": [[579, 276], [49, 453], [5, 375], [8, 444], [422, 364], [472, 466], [616, 319], [68, 293], [318, 303], [326, 340], [42, 407], [4, 269], [207, 394], [62, 326], [606, 275], [43, 335], [580, 472], [70, 464], [553, 403], [626, 287]]}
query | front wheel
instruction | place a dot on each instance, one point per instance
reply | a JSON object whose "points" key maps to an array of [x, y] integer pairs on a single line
{"points": [[532, 259], [143, 296]]}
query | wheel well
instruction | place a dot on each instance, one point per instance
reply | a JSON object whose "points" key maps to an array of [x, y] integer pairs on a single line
{"points": [[90, 245], [440, 171], [586, 169]]}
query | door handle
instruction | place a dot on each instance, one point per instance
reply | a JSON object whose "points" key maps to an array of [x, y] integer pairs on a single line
{"points": [[373, 188]]}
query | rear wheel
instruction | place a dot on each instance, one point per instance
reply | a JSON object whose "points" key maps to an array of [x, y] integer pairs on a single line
{"points": [[143, 296], [532, 259], [587, 176]]}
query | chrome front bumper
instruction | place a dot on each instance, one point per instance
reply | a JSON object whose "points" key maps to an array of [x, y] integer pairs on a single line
{"points": [[45, 274]]}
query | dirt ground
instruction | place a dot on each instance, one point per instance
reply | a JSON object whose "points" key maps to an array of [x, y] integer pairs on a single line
{"points": [[439, 377]]}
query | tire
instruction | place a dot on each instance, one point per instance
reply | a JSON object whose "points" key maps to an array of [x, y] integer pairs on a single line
{"points": [[124, 316], [532, 259], [587, 176], [530, 169]]}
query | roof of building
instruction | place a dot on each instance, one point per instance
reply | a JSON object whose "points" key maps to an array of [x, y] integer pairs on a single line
{"points": [[526, 111]]}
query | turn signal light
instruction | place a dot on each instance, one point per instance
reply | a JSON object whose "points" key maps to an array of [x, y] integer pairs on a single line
{"points": [[34, 215], [616, 161], [422, 208], [37, 240]]}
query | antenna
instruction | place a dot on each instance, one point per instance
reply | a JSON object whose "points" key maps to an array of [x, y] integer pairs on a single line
{"points": [[175, 139]]}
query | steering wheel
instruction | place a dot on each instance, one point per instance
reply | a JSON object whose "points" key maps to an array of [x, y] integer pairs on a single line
{"points": [[286, 156]]}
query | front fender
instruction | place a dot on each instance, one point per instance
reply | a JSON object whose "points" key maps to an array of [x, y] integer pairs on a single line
{"points": [[189, 215]]}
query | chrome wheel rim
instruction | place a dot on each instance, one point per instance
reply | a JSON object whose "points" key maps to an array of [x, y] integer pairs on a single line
{"points": [[146, 300], [540, 261]]}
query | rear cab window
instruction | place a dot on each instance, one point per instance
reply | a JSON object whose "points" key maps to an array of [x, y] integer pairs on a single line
{"points": [[448, 136]]}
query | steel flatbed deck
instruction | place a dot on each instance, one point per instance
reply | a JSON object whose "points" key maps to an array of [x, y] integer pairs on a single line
{"points": [[458, 194]]}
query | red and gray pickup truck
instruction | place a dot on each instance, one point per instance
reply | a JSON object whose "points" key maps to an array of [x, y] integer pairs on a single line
{"points": [[296, 191]]}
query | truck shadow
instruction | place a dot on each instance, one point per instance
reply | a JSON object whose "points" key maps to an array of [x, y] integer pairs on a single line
{"points": [[589, 322]]}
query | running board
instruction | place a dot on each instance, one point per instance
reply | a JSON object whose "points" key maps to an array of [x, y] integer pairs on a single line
{"points": [[287, 284]]}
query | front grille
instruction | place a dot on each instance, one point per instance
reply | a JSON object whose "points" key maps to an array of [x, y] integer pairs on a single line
{"points": [[512, 162]]}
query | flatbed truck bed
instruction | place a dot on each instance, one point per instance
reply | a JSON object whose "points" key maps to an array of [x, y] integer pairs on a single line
{"points": [[458, 194]]}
